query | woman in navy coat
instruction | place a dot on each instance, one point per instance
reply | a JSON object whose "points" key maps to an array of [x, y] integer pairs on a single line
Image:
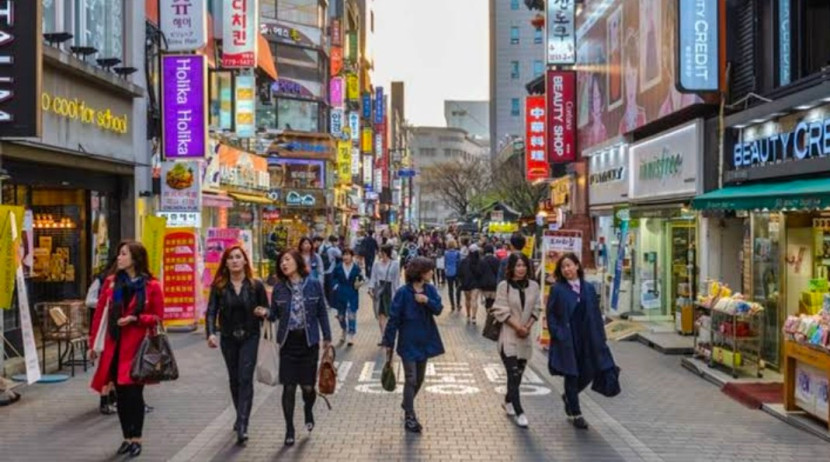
{"points": [[578, 349], [347, 280], [412, 321]]}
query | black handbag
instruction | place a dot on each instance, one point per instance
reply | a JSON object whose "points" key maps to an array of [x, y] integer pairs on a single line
{"points": [[154, 360], [492, 327], [387, 377]]}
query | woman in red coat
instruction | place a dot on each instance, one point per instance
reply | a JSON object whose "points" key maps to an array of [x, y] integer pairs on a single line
{"points": [[134, 302]]}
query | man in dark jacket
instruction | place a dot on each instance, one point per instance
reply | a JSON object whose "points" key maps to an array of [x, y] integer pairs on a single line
{"points": [[517, 243], [490, 266], [369, 249]]}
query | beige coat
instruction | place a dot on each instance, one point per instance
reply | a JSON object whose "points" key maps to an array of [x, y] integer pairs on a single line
{"points": [[508, 305]]}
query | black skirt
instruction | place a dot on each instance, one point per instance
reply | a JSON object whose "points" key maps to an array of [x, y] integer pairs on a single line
{"points": [[298, 361]]}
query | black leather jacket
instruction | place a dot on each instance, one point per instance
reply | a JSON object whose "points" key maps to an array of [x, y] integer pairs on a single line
{"points": [[253, 295]]}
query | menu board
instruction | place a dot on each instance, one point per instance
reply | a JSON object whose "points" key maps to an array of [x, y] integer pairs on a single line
{"points": [[180, 282]]}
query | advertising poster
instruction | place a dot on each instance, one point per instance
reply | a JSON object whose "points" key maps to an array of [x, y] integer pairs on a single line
{"points": [[179, 277], [14, 218], [216, 241], [100, 232], [554, 245], [181, 188], [245, 108], [561, 28], [239, 33], [561, 116], [536, 158], [184, 24], [184, 106]]}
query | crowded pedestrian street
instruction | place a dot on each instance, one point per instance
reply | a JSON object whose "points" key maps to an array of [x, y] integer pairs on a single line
{"points": [[664, 413]]}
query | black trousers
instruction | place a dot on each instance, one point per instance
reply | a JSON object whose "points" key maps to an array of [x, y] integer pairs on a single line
{"points": [[131, 410], [370, 261], [240, 359], [455, 291], [414, 373], [515, 368], [573, 386]]}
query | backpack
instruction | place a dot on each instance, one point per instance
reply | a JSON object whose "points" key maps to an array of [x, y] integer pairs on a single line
{"points": [[327, 381]]}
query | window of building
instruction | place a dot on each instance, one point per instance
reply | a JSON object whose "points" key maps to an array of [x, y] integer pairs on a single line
{"points": [[514, 5], [515, 107], [514, 69], [297, 115], [514, 35], [427, 152], [94, 23], [308, 12], [538, 36], [815, 37], [538, 67]]}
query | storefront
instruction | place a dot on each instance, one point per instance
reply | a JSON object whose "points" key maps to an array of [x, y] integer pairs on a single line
{"points": [[665, 177], [777, 177], [608, 184]]}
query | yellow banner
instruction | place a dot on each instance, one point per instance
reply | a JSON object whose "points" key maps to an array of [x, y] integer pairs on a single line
{"points": [[344, 162], [153, 239], [366, 141], [529, 245], [9, 252], [352, 87]]}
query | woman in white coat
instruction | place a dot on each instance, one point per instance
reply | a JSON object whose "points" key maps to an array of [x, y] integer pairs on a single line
{"points": [[517, 308]]}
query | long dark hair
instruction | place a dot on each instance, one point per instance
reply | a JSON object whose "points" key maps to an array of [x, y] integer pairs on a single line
{"points": [[575, 260], [513, 260], [139, 257], [223, 274]]}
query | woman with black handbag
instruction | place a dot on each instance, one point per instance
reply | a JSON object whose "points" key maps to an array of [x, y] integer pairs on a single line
{"points": [[238, 301], [517, 308], [384, 282], [137, 305], [299, 304]]}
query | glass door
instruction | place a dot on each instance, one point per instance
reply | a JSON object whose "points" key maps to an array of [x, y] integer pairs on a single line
{"points": [[681, 280]]}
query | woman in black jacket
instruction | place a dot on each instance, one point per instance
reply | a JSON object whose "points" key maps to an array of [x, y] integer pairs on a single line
{"points": [[489, 280], [469, 273], [239, 300]]}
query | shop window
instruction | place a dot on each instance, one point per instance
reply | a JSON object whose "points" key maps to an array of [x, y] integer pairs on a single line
{"points": [[514, 70], [538, 36], [766, 278], [297, 115], [514, 35], [515, 107], [815, 43]]}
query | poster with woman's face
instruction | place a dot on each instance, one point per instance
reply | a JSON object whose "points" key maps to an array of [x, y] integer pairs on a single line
{"points": [[614, 26], [650, 44]]}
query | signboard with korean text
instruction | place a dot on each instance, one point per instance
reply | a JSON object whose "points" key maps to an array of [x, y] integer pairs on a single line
{"points": [[245, 108], [297, 173], [698, 48], [184, 24], [290, 33], [561, 115], [366, 105], [336, 60], [379, 109], [355, 162], [352, 45], [336, 33], [184, 106], [336, 92], [561, 32], [366, 140], [181, 219], [181, 189], [386, 161], [352, 87], [239, 33], [368, 171], [354, 126], [20, 83], [180, 276], [536, 158], [337, 117], [378, 180], [378, 143], [344, 159]]}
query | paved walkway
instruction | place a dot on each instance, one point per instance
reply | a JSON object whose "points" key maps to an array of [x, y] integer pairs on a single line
{"points": [[664, 413]]}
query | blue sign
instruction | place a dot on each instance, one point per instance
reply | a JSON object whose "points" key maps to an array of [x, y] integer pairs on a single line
{"points": [[379, 109], [698, 49], [784, 42], [406, 173], [367, 106]]}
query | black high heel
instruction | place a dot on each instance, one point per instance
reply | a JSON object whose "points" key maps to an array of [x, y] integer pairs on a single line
{"points": [[309, 420], [125, 446], [289, 438]]}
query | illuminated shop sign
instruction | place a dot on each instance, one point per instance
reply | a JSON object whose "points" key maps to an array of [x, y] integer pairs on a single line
{"points": [[809, 139], [698, 45]]}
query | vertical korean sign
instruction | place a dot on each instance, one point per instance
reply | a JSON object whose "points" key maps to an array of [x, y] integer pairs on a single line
{"points": [[368, 172], [245, 110], [784, 42], [698, 45], [366, 140], [352, 87], [337, 117], [336, 91], [336, 33], [379, 109], [386, 161], [180, 286], [184, 106], [20, 77], [366, 106], [183, 23], [561, 32], [336, 60], [561, 115], [354, 126], [239, 33], [344, 159], [536, 159]]}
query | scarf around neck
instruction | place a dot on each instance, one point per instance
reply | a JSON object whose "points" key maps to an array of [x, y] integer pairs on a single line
{"points": [[123, 293]]}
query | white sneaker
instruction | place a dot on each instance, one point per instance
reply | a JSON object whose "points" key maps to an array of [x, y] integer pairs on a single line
{"points": [[521, 420], [350, 340], [508, 408]]}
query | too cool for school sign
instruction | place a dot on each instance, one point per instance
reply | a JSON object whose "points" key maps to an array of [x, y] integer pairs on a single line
{"points": [[184, 103]]}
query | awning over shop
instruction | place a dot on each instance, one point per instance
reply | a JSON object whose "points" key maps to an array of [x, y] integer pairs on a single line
{"points": [[251, 199], [798, 194], [219, 200]]}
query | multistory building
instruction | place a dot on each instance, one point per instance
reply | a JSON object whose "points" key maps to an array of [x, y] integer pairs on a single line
{"points": [[470, 116]]}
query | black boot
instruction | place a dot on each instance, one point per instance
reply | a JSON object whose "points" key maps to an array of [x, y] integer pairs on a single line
{"points": [[579, 422], [135, 450], [241, 434]]}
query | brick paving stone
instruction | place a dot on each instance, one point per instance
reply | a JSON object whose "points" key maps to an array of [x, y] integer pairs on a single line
{"points": [[664, 413]]}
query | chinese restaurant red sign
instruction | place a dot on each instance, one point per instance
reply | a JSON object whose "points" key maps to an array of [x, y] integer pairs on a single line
{"points": [[561, 113], [179, 260], [536, 162]]}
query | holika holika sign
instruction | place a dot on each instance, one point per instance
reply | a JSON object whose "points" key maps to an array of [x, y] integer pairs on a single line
{"points": [[184, 106]]}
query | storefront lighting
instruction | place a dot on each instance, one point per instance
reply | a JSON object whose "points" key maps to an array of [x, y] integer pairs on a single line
{"points": [[739, 126], [4, 175], [804, 107]]}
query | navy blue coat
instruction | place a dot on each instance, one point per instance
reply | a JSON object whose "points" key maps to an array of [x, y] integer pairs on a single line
{"points": [[344, 289], [316, 314], [562, 358], [414, 324]]}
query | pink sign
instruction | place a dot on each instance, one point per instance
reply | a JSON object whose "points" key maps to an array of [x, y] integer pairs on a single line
{"points": [[336, 90]]}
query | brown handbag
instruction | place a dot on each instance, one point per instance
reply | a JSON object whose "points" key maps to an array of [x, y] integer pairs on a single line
{"points": [[327, 380], [154, 360]]}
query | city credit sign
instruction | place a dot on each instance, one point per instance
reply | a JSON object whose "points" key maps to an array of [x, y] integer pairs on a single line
{"points": [[20, 68], [184, 106], [698, 45]]}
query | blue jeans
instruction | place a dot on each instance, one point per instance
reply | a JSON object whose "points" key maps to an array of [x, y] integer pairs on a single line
{"points": [[347, 313]]}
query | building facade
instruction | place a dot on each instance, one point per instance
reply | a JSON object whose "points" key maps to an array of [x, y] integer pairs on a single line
{"points": [[470, 116]]}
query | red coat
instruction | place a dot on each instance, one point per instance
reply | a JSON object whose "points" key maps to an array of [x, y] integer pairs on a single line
{"points": [[131, 334]]}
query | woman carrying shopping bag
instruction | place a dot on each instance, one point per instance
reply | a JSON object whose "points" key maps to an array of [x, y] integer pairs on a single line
{"points": [[134, 303], [385, 280], [238, 302], [516, 307], [299, 304]]}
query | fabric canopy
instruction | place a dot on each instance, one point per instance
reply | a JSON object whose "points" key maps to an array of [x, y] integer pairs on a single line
{"points": [[798, 194], [249, 198]]}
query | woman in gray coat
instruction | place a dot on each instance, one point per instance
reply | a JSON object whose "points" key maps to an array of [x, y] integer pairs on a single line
{"points": [[384, 282], [517, 308]]}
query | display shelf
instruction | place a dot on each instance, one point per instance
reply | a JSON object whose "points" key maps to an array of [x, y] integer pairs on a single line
{"points": [[814, 357], [737, 350]]}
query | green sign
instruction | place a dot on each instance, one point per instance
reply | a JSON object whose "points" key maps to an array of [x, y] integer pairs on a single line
{"points": [[352, 50]]}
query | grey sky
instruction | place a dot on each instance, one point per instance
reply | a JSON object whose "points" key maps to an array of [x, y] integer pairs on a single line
{"points": [[439, 48]]}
